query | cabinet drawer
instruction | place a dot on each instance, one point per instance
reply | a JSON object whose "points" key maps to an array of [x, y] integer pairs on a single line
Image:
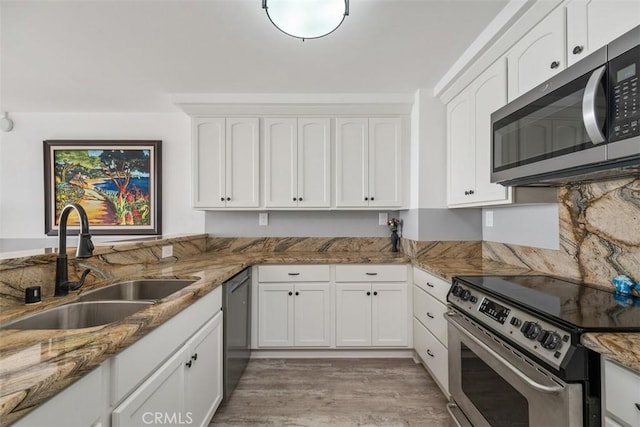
{"points": [[371, 273], [293, 273], [430, 312], [434, 285], [622, 394], [434, 355]]}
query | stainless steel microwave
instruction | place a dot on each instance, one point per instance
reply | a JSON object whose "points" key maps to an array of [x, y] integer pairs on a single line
{"points": [[583, 124]]}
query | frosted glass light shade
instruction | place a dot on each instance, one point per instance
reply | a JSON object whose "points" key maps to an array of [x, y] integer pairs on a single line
{"points": [[306, 19]]}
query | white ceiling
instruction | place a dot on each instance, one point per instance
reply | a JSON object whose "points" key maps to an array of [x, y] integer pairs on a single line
{"points": [[130, 55]]}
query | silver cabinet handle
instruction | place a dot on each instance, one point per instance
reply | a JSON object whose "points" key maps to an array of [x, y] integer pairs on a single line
{"points": [[589, 106], [536, 386]]}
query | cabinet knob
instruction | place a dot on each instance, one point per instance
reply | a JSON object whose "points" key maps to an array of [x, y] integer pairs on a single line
{"points": [[366, 198], [429, 315], [466, 193], [578, 49], [638, 406], [297, 293], [299, 199], [228, 199], [290, 293], [429, 353], [195, 356], [471, 192], [372, 199], [554, 65], [294, 199], [222, 199], [189, 363], [368, 293], [375, 293]]}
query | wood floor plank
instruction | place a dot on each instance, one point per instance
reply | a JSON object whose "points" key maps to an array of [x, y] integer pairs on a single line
{"points": [[337, 392]]}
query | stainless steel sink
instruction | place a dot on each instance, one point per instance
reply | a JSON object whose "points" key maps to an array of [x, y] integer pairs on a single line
{"points": [[78, 315], [137, 290]]}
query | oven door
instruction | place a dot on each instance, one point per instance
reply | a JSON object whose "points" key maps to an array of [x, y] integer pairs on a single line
{"points": [[493, 385]]}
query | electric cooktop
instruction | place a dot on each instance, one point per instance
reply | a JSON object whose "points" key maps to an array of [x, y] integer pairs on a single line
{"points": [[575, 304]]}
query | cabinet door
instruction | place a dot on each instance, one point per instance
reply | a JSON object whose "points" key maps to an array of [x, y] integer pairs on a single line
{"points": [[79, 405], [275, 314], [533, 59], [352, 162], [204, 376], [242, 163], [461, 150], [389, 315], [208, 162], [593, 23], [489, 93], [163, 394], [312, 307], [281, 162], [314, 163], [353, 315], [385, 151]]}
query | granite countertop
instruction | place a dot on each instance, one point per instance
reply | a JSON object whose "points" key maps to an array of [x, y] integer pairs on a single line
{"points": [[623, 348], [35, 365]]}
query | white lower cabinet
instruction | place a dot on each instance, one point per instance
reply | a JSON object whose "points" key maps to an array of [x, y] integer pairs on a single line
{"points": [[620, 395], [81, 405], [184, 390], [371, 312], [430, 326], [294, 314]]}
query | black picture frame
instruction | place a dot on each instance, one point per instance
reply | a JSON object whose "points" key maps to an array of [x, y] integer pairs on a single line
{"points": [[118, 182]]}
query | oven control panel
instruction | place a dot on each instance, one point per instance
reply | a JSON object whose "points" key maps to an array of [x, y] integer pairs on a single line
{"points": [[541, 338]]}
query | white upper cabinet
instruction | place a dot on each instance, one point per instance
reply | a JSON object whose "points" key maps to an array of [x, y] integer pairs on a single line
{"points": [[538, 56], [226, 163], [593, 23], [242, 163], [368, 159], [469, 140], [208, 162], [297, 162]]}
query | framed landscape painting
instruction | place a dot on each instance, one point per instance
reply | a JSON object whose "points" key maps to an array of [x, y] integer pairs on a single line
{"points": [[118, 183]]}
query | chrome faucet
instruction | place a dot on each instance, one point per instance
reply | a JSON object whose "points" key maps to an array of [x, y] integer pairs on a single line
{"points": [[84, 250]]}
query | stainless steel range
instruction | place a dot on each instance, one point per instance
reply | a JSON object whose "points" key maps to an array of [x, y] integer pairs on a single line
{"points": [[515, 357]]}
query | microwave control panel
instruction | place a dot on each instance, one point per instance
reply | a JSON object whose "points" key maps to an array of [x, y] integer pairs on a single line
{"points": [[625, 95]]}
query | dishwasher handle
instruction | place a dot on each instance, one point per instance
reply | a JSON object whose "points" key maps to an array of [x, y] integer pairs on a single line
{"points": [[235, 285]]}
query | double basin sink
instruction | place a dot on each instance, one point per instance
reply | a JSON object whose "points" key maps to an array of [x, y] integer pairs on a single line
{"points": [[102, 306]]}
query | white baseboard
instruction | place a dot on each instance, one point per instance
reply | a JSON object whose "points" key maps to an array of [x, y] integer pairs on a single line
{"points": [[403, 353]]}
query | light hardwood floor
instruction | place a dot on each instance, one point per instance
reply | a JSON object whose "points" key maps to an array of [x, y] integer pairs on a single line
{"points": [[336, 392]]}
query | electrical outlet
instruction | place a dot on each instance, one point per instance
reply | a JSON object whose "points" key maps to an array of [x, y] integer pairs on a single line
{"points": [[383, 217], [488, 219], [167, 251], [263, 219]]}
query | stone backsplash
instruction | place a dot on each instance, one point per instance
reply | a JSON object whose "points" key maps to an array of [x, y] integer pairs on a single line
{"points": [[599, 235]]}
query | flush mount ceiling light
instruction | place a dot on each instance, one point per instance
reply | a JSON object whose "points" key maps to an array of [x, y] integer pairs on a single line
{"points": [[306, 19]]}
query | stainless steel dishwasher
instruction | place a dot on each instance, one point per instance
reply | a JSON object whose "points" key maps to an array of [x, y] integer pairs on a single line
{"points": [[236, 307]]}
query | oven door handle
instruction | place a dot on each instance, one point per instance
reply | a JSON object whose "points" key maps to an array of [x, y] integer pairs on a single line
{"points": [[537, 386], [589, 115]]}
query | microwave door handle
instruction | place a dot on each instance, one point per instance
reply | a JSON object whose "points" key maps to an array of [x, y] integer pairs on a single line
{"points": [[589, 107]]}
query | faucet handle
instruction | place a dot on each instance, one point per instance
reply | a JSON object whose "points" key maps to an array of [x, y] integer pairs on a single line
{"points": [[73, 286]]}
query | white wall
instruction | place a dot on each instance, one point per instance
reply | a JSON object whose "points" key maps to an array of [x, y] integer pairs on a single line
{"points": [[527, 225], [22, 174]]}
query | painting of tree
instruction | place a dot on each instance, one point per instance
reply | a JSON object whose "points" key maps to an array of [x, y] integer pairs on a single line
{"points": [[116, 182]]}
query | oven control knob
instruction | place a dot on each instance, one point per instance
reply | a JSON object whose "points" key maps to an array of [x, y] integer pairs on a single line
{"points": [[531, 330], [456, 290], [549, 340], [515, 321], [465, 295]]}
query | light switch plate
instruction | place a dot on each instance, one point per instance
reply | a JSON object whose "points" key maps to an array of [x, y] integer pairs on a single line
{"points": [[488, 219], [167, 251], [263, 219], [383, 217]]}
